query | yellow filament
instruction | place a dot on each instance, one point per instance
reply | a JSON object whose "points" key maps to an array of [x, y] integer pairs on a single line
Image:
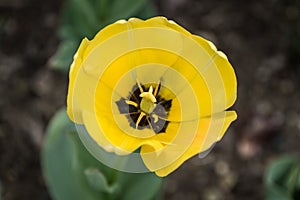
{"points": [[156, 89], [140, 87], [139, 119], [131, 103], [149, 95]]}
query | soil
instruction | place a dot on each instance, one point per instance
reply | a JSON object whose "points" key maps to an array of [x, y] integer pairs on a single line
{"points": [[262, 41]]}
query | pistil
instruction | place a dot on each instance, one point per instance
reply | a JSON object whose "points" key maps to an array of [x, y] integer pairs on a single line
{"points": [[148, 101]]}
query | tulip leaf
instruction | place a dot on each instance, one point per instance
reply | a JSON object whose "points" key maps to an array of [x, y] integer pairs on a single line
{"points": [[125, 9], [276, 193], [87, 14], [141, 186], [72, 173], [98, 181], [59, 162], [84, 18], [283, 179], [81, 17], [147, 11], [66, 50]]}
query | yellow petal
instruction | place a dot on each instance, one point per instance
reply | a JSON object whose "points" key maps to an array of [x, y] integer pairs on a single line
{"points": [[132, 23], [94, 130], [210, 131], [105, 33], [198, 78], [74, 72], [226, 71], [185, 133]]}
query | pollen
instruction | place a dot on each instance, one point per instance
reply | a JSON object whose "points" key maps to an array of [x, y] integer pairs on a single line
{"points": [[148, 101], [149, 95], [145, 107]]}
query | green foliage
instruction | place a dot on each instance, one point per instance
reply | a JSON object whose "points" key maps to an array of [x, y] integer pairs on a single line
{"points": [[71, 173], [283, 179], [98, 181], [84, 18]]}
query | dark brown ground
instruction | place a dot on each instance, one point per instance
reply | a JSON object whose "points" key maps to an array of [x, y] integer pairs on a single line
{"points": [[261, 39]]}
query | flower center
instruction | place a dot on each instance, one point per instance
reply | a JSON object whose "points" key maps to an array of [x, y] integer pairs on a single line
{"points": [[145, 108], [147, 104]]}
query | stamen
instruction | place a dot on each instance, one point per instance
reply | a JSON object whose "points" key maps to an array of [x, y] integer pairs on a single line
{"points": [[131, 103], [149, 95], [148, 101], [139, 119], [156, 89], [140, 87], [155, 117], [145, 108]]}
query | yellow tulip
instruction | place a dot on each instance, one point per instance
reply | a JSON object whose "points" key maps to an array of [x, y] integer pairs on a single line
{"points": [[154, 88]]}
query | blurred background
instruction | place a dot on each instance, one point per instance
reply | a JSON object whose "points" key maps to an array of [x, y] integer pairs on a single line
{"points": [[262, 41]]}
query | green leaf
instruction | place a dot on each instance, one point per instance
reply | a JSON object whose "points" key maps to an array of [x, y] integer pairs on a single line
{"points": [[98, 181], [81, 16], [276, 193], [126, 8], [60, 167], [292, 178], [147, 12], [102, 6], [141, 186], [71, 173], [87, 12], [282, 179], [84, 18], [62, 59]]}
